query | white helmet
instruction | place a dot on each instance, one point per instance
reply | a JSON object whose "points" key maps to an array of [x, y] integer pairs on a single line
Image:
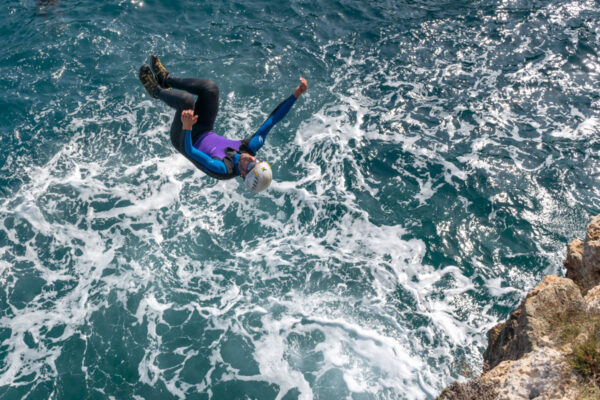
{"points": [[259, 178]]}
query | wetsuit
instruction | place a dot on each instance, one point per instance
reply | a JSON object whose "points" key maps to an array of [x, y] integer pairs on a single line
{"points": [[213, 154]]}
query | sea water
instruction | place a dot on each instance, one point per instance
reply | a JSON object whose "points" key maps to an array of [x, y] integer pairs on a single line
{"points": [[443, 156]]}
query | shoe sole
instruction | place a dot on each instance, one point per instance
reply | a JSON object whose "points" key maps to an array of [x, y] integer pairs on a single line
{"points": [[157, 71], [143, 76]]}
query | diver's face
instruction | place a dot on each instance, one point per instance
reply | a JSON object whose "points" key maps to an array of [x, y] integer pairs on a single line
{"points": [[245, 161]]}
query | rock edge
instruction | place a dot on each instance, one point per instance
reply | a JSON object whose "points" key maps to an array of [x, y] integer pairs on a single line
{"points": [[527, 354]]}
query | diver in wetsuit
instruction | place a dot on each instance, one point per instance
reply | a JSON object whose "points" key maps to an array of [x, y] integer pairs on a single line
{"points": [[192, 128]]}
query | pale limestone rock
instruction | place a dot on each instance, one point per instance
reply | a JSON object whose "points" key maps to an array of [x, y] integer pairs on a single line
{"points": [[541, 374], [573, 262], [531, 324], [525, 360], [583, 258], [593, 229], [592, 299]]}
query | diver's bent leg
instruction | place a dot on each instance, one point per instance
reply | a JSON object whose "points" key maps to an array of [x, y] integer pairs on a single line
{"points": [[207, 104], [194, 86], [177, 99], [180, 101], [177, 134]]}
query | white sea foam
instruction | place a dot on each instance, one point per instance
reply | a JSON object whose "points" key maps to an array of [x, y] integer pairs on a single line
{"points": [[318, 264]]}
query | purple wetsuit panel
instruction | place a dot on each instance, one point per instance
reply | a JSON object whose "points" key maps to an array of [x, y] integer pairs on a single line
{"points": [[215, 145]]}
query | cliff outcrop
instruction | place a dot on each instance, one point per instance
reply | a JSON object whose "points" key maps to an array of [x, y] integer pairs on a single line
{"points": [[583, 258], [549, 348]]}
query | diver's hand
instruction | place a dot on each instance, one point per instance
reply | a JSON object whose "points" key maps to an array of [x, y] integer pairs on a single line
{"points": [[301, 88], [188, 119]]}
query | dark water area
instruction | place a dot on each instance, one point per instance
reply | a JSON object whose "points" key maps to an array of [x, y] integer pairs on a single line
{"points": [[441, 159]]}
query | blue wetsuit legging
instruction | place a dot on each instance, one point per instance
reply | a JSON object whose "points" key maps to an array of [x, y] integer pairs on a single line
{"points": [[205, 107]]}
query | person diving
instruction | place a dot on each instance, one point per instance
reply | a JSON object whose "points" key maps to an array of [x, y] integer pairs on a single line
{"points": [[192, 127]]}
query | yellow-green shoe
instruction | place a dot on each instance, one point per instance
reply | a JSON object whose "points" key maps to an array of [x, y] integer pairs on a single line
{"points": [[160, 71], [148, 81]]}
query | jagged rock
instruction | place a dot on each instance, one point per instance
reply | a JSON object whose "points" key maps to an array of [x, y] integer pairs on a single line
{"points": [[593, 229], [472, 390], [528, 355], [583, 258], [592, 299], [531, 325], [541, 374], [574, 260]]}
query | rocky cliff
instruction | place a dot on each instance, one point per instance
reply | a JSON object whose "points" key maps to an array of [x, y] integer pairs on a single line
{"points": [[549, 348]]}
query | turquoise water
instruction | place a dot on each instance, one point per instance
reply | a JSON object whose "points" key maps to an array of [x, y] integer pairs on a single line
{"points": [[443, 156]]}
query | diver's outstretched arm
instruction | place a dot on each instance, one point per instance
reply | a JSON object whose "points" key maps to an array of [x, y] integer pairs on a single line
{"points": [[301, 88], [277, 115]]}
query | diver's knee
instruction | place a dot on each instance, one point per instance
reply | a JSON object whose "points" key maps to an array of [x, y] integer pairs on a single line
{"points": [[212, 87], [188, 102]]}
